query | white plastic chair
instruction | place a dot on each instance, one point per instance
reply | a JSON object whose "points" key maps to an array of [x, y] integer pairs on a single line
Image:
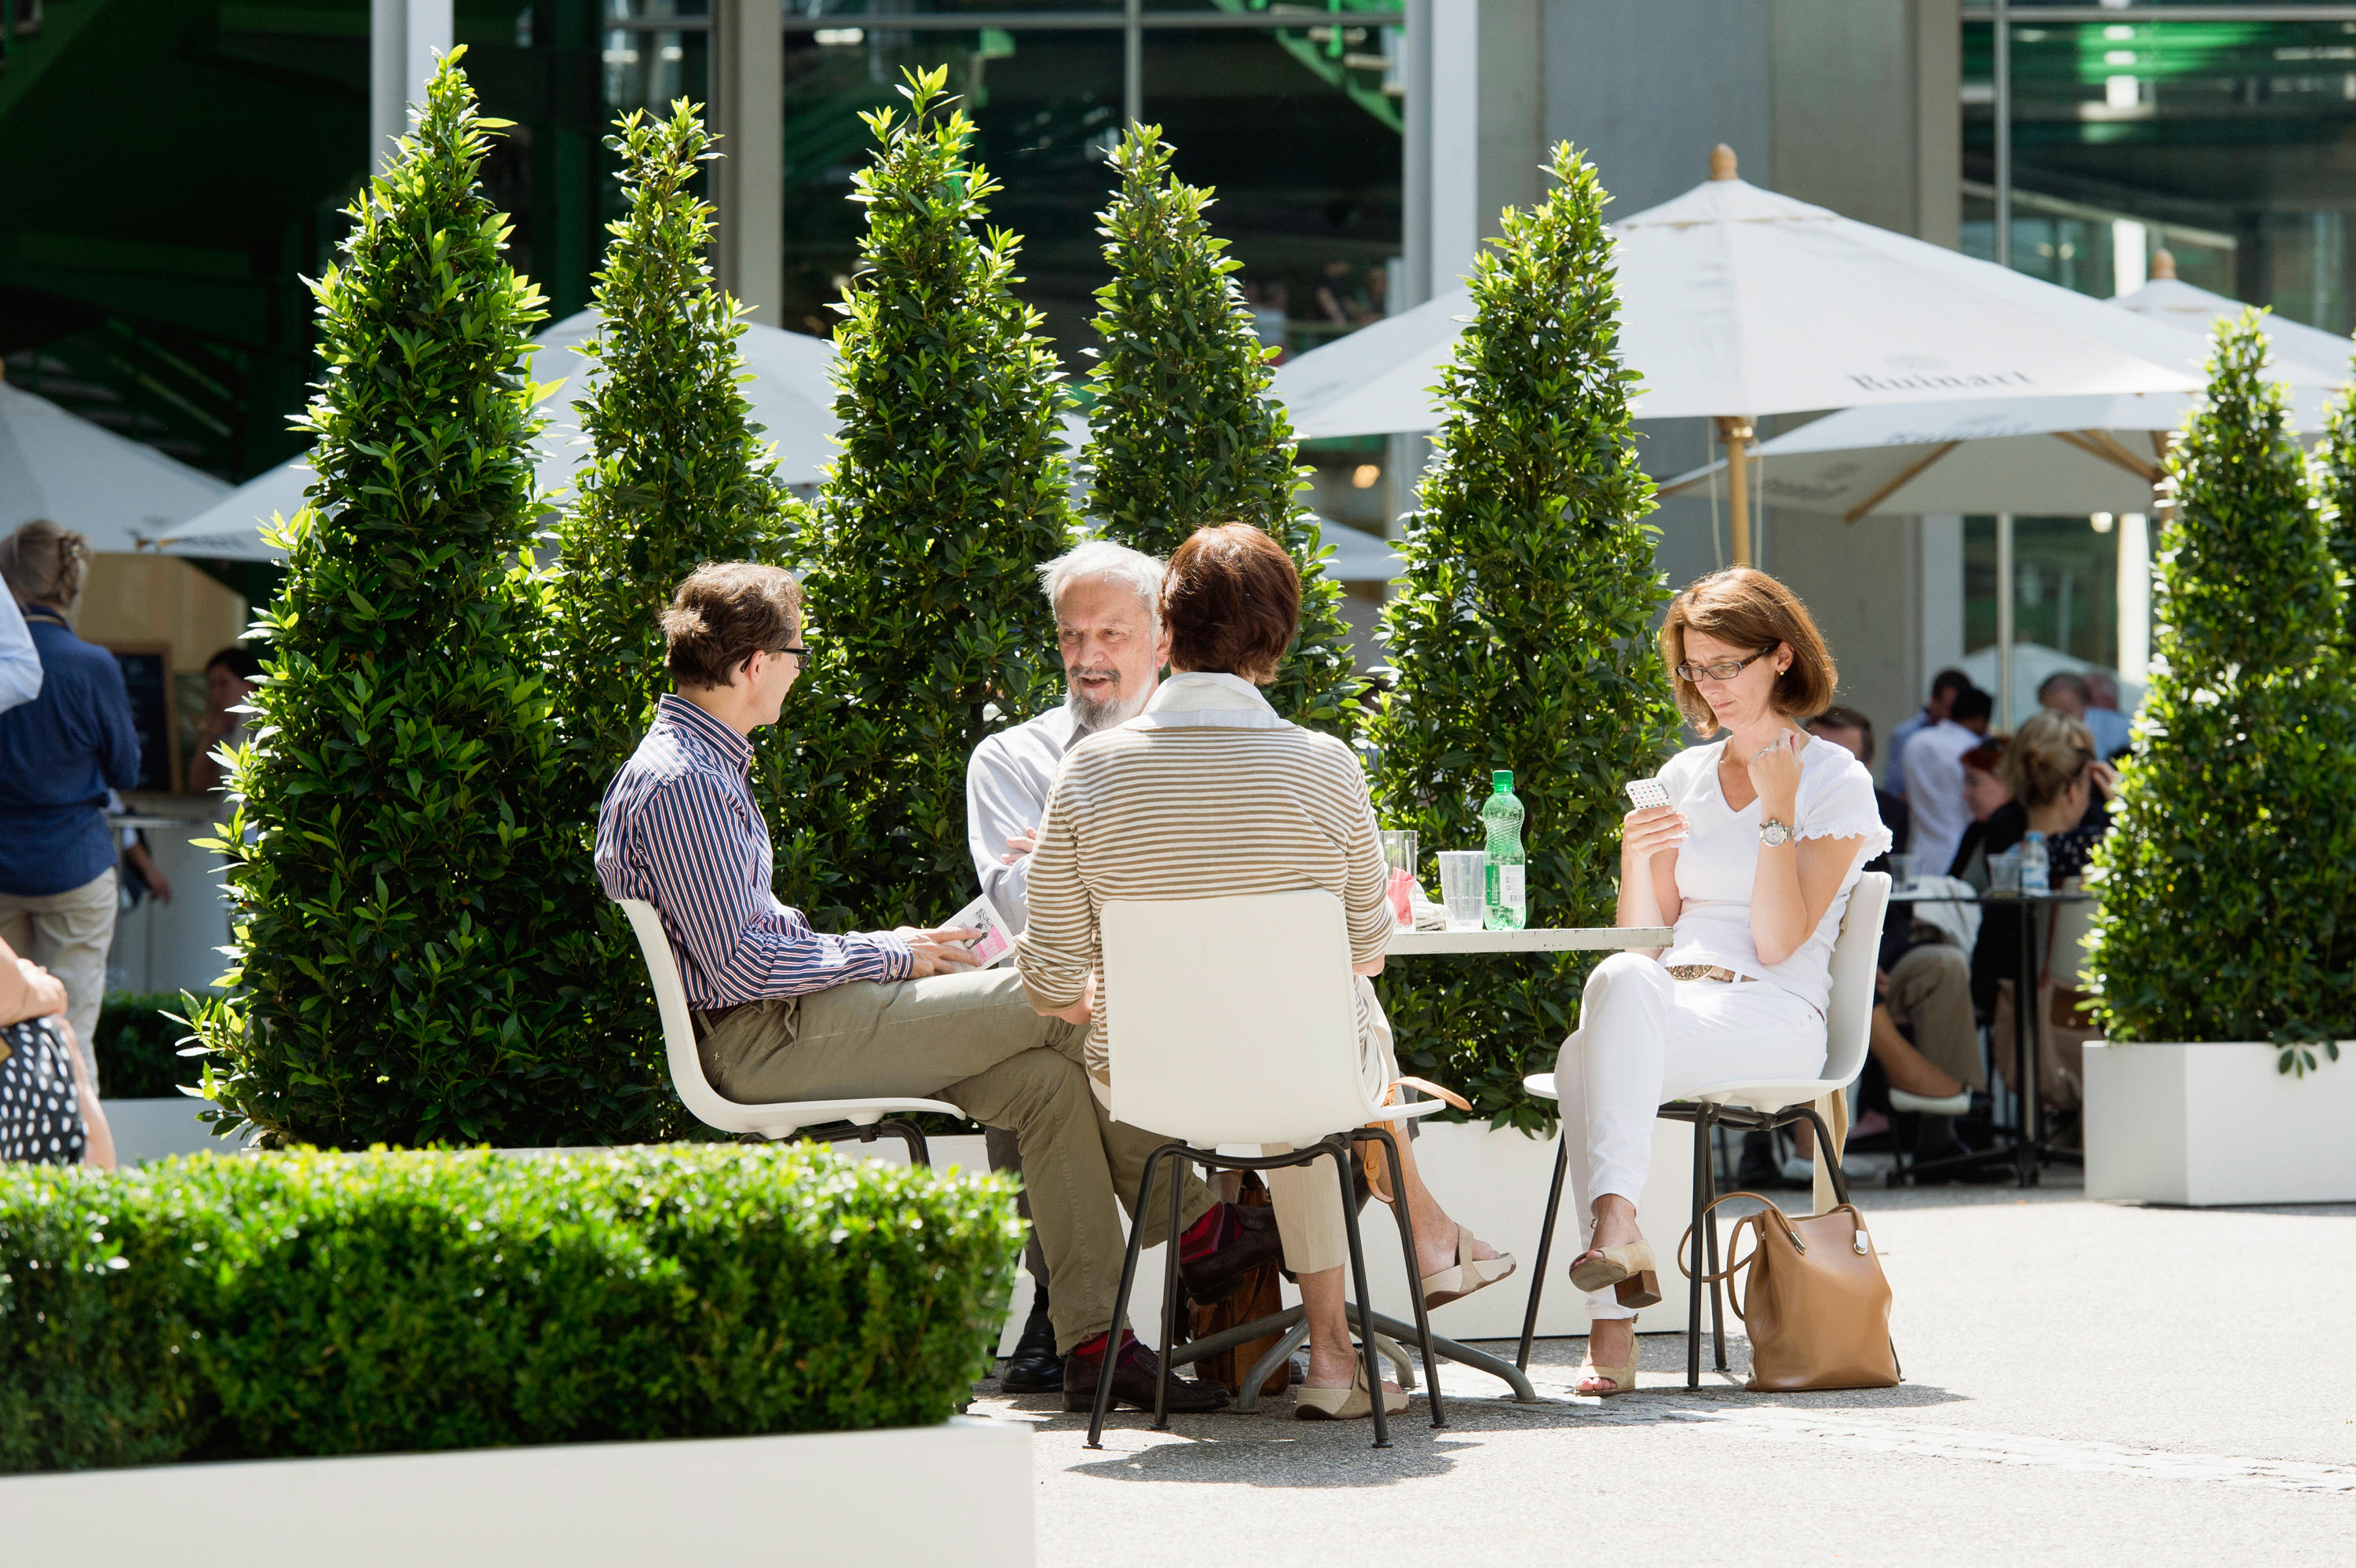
{"points": [[1235, 1020], [1751, 1106], [831, 1120]]}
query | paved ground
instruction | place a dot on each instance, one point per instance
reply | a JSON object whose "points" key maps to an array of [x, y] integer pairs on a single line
{"points": [[2085, 1384]]}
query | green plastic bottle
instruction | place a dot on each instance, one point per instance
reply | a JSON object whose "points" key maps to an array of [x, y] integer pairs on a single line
{"points": [[1509, 892]]}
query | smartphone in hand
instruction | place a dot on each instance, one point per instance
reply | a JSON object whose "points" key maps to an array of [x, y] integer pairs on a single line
{"points": [[1645, 793]]}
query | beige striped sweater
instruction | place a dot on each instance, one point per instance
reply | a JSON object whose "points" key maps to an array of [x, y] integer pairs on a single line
{"points": [[1206, 793]]}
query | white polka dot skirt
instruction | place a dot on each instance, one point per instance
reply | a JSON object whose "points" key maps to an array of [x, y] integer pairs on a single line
{"points": [[40, 1111]]}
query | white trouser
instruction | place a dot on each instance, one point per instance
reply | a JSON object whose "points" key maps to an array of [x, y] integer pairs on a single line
{"points": [[1645, 1040]]}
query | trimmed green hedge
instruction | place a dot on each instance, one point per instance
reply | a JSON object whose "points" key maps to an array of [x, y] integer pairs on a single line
{"points": [[273, 1305], [138, 1043]]}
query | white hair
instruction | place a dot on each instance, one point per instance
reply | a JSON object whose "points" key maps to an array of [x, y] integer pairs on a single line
{"points": [[1101, 557]]}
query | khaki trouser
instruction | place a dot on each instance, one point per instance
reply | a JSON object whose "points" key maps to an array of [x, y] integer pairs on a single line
{"points": [[972, 1039], [69, 935], [1930, 992]]}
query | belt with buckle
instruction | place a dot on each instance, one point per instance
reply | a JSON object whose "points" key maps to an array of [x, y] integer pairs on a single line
{"points": [[1706, 972], [708, 1020]]}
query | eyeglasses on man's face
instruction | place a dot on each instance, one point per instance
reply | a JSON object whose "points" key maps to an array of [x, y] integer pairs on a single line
{"points": [[1725, 669]]}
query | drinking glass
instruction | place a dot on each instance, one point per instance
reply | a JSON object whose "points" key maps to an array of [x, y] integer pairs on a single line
{"points": [[1464, 887], [2004, 873], [1902, 868], [1399, 855]]}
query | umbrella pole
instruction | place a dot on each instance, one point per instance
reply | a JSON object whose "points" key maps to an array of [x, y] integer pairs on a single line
{"points": [[1735, 432], [2004, 622]]}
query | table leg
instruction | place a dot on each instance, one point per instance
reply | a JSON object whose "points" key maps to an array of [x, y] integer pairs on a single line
{"points": [[2025, 1044]]}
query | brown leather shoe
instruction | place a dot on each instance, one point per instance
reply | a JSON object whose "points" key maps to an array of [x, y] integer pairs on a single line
{"points": [[1132, 1384], [1222, 1273]]}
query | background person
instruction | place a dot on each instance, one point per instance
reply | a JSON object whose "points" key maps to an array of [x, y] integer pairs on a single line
{"points": [[20, 662], [1945, 687], [1107, 601], [783, 1012], [1751, 862], [1934, 777], [2113, 730], [1209, 793], [231, 676], [59, 755]]}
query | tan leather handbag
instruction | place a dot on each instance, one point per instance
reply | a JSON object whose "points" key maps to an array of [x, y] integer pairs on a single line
{"points": [[1815, 1298]]}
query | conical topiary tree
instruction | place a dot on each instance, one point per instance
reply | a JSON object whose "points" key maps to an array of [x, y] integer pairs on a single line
{"points": [[1182, 433], [1522, 635], [677, 476], [2228, 879], [927, 627], [404, 969], [2335, 462]]}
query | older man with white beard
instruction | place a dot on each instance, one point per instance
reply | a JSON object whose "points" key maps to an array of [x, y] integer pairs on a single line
{"points": [[1107, 601]]}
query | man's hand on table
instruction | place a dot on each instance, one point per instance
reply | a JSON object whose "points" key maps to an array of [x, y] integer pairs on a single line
{"points": [[939, 951]]}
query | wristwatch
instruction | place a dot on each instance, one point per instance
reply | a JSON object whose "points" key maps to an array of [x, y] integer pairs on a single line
{"points": [[1775, 833]]}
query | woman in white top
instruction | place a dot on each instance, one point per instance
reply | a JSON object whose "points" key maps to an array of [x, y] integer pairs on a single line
{"points": [[1751, 862]]}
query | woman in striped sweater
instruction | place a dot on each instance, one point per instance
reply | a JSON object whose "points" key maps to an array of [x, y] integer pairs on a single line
{"points": [[1209, 793]]}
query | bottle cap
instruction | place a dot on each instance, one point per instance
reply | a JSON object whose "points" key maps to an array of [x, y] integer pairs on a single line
{"points": [[1502, 780]]}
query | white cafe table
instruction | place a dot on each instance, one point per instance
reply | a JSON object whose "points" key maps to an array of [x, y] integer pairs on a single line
{"points": [[1541, 939]]}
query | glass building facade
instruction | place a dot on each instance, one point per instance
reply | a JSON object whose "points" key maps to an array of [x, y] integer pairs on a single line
{"points": [[2228, 140]]}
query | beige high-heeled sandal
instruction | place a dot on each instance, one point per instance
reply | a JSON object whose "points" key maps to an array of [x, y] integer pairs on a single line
{"points": [[1621, 1379], [1628, 1268], [1466, 1275], [1345, 1403]]}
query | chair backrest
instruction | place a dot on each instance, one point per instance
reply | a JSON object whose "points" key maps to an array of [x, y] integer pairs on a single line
{"points": [[1232, 1020], [695, 1090], [1849, 1019]]}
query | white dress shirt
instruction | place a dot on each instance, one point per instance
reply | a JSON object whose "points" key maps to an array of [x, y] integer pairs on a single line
{"points": [[1935, 794], [1006, 785], [20, 662]]}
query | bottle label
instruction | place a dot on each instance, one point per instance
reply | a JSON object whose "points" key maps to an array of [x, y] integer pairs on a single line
{"points": [[1510, 886]]}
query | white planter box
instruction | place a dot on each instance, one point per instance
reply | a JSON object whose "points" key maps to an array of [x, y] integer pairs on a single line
{"points": [[155, 1129], [2213, 1124], [957, 1493]]}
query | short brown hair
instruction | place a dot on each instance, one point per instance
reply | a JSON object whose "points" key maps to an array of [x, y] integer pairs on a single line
{"points": [[44, 563], [1231, 599], [1746, 607], [723, 614], [2047, 755], [1838, 718]]}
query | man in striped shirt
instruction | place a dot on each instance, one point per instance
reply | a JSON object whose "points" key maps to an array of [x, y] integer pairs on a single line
{"points": [[784, 1012]]}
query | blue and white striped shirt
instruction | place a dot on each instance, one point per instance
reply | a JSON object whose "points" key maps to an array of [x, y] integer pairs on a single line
{"points": [[679, 829]]}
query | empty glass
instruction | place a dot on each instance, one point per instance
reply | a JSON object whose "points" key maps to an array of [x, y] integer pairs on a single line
{"points": [[2004, 873], [1902, 868], [1464, 887], [1399, 855]]}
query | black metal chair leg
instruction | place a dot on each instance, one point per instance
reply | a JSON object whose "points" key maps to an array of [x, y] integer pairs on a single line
{"points": [[919, 1151], [1826, 1153], [1341, 1150], [1414, 1286], [1546, 1245], [1701, 1193], [1717, 1301], [1121, 1300], [1168, 1298]]}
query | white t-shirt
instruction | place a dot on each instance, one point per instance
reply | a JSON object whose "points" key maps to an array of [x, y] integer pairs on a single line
{"points": [[1935, 795], [1718, 865]]}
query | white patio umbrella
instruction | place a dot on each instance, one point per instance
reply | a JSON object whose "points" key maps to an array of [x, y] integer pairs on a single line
{"points": [[790, 394], [2170, 299], [120, 495], [1736, 303]]}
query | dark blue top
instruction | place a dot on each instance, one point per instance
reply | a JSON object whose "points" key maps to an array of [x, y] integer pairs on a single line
{"points": [[59, 753]]}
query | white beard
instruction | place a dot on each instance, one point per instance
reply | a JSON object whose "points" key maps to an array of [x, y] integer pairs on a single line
{"points": [[1092, 715]]}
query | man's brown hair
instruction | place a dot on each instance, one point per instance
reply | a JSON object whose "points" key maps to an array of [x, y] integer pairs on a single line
{"points": [[723, 614], [1749, 610], [1838, 718], [1231, 600]]}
